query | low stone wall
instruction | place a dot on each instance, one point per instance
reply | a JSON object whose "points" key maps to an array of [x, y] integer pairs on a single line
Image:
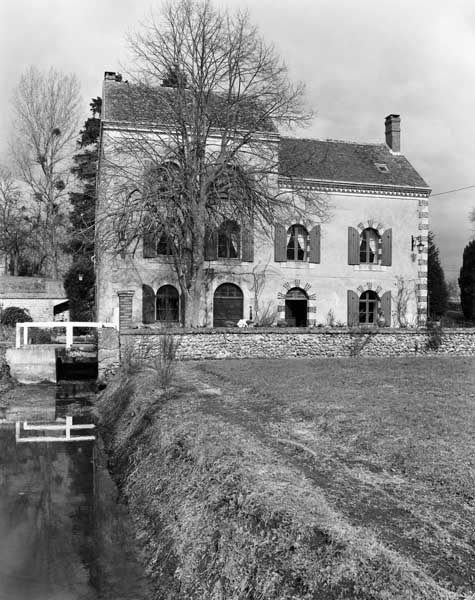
{"points": [[312, 343]]}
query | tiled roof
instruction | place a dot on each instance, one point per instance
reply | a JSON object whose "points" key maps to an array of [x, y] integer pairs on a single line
{"points": [[336, 161], [323, 160], [130, 103]]}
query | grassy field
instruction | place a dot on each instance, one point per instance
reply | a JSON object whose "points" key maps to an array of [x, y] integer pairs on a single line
{"points": [[389, 442], [297, 479]]}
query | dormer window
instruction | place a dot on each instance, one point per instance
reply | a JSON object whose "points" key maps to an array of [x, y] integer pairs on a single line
{"points": [[382, 167]]}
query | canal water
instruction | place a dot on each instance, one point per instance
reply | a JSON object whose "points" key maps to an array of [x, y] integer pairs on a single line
{"points": [[64, 534]]}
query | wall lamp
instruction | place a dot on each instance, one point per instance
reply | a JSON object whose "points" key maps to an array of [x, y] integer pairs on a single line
{"points": [[416, 242]]}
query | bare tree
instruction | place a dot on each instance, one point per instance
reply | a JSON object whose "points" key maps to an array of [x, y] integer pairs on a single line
{"points": [[217, 95], [46, 107], [16, 224]]}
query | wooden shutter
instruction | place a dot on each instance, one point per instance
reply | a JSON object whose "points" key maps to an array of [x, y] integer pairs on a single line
{"points": [[314, 256], [247, 243], [353, 308], [353, 246], [149, 245], [148, 304], [386, 248], [211, 244], [386, 307], [280, 243]]}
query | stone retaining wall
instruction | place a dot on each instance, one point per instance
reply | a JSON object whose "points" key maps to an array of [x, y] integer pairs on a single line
{"points": [[278, 343]]}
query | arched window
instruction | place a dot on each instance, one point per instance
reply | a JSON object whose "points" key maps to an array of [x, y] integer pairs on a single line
{"points": [[227, 305], [369, 246], [297, 243], [296, 307], [229, 240], [369, 306], [168, 304]]}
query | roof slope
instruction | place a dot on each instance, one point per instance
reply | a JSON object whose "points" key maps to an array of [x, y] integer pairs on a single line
{"points": [[337, 161], [130, 103]]}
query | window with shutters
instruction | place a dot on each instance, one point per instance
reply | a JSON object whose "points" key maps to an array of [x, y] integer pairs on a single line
{"points": [[164, 306], [370, 246], [229, 240], [163, 186], [369, 308], [297, 243]]}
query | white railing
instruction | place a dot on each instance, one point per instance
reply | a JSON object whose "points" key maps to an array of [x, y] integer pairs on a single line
{"points": [[67, 427], [67, 325]]}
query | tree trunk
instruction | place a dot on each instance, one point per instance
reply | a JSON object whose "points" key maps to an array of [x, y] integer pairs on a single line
{"points": [[194, 310]]}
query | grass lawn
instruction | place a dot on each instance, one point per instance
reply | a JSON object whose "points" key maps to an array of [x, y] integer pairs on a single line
{"points": [[390, 443]]}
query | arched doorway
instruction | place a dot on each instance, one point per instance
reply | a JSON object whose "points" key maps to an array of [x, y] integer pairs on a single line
{"points": [[296, 308], [227, 305], [168, 304]]}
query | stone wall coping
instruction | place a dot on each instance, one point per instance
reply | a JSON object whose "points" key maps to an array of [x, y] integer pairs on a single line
{"points": [[292, 331]]}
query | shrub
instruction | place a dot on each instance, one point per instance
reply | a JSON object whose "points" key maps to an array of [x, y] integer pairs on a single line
{"points": [[13, 315], [134, 358], [435, 339], [164, 362], [266, 316]]}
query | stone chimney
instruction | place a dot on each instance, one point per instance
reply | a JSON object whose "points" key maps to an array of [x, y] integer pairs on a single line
{"points": [[393, 132]]}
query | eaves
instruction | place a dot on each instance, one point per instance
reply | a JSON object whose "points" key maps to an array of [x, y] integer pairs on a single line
{"points": [[351, 187]]}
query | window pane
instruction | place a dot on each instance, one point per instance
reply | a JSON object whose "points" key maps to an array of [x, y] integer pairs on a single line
{"points": [[297, 243], [369, 246], [291, 245], [229, 236]]}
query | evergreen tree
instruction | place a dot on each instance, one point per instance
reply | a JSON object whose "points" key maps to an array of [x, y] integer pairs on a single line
{"points": [[467, 282], [79, 280], [437, 287]]}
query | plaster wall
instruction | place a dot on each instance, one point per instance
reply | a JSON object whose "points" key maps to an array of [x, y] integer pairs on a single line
{"points": [[326, 283]]}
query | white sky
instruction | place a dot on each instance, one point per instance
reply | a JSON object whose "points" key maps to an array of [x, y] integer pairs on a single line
{"points": [[361, 60]]}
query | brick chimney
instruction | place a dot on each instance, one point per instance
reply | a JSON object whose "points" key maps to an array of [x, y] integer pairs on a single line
{"points": [[393, 132]]}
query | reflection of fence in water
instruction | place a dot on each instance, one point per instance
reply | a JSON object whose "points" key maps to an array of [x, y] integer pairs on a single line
{"points": [[68, 427]]}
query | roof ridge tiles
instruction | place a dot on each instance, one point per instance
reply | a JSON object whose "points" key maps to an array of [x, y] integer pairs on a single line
{"points": [[349, 142]]}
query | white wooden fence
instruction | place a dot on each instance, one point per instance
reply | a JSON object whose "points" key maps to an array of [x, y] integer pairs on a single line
{"points": [[67, 325]]}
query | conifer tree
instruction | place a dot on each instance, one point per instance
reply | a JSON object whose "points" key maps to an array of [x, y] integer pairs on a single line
{"points": [[467, 281], [437, 287], [79, 281]]}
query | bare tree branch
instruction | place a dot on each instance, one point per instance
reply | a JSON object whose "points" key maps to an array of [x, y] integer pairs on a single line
{"points": [[46, 107], [200, 141]]}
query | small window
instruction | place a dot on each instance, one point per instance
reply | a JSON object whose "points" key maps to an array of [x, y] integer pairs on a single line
{"points": [[382, 167], [369, 307], [369, 246], [297, 243], [229, 240]]}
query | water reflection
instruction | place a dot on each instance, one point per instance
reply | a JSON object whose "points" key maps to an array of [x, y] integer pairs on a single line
{"points": [[63, 536]]}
